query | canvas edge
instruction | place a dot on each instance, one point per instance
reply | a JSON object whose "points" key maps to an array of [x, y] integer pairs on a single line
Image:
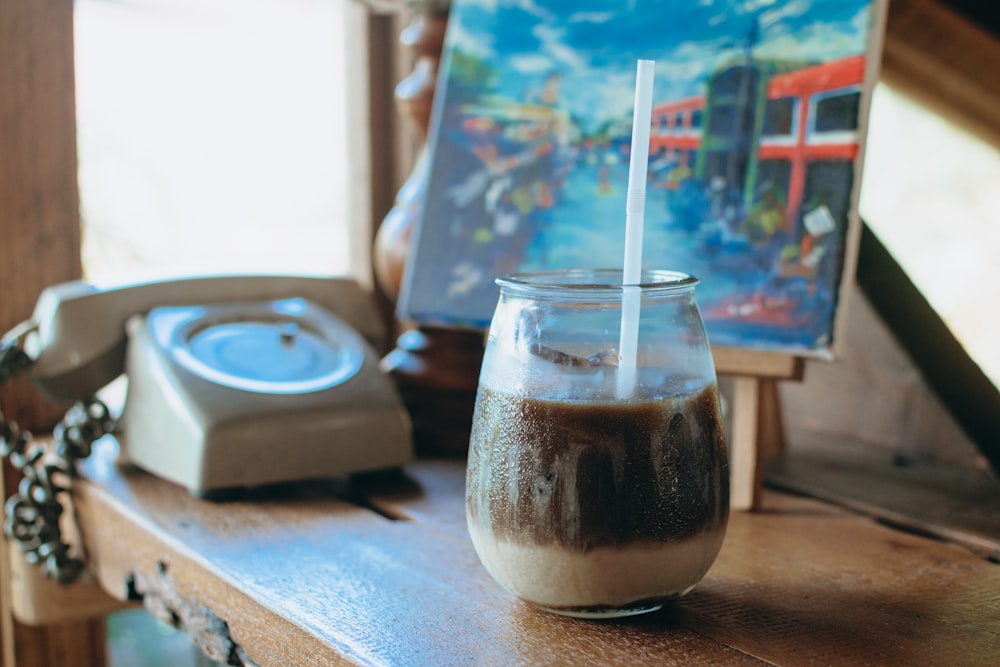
{"points": [[852, 240]]}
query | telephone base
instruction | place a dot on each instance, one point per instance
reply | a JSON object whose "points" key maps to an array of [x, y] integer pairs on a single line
{"points": [[212, 407]]}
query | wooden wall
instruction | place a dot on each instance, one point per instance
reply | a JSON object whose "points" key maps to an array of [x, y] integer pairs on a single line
{"points": [[874, 396]]}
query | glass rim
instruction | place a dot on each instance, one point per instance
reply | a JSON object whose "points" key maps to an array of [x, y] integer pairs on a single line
{"points": [[604, 280]]}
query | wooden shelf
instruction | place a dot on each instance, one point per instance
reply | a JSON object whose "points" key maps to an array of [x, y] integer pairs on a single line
{"points": [[383, 573]]}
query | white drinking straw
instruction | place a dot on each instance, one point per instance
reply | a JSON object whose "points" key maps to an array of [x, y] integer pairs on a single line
{"points": [[635, 210]]}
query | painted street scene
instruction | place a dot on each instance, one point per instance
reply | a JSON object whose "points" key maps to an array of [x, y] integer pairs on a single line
{"points": [[757, 113]]}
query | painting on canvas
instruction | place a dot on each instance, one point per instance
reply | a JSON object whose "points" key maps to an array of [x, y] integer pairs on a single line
{"points": [[759, 110]]}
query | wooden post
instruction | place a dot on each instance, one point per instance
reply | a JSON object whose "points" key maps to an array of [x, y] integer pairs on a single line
{"points": [[40, 228]]}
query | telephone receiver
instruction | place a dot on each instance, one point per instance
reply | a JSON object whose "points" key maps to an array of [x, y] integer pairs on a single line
{"points": [[233, 381]]}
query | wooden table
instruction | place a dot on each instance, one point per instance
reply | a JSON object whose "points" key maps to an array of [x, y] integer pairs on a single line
{"points": [[384, 573]]}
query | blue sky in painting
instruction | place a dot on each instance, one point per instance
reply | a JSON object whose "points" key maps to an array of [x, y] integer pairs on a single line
{"points": [[594, 44]]}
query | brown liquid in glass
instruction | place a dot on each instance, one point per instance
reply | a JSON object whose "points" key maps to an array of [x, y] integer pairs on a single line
{"points": [[582, 475]]}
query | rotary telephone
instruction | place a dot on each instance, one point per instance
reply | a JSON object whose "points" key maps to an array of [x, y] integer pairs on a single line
{"points": [[233, 381]]}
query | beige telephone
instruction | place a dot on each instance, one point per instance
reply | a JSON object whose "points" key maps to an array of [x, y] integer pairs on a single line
{"points": [[233, 381]]}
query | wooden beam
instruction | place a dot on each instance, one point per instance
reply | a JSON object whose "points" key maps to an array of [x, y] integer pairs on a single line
{"points": [[945, 62], [757, 363]]}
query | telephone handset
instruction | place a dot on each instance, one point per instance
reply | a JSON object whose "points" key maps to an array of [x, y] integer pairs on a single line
{"points": [[233, 381], [79, 343]]}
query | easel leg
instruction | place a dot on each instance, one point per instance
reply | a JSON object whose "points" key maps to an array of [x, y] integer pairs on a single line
{"points": [[771, 429], [746, 475], [758, 433]]}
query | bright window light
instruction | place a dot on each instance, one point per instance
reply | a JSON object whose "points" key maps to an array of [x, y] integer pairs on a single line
{"points": [[930, 192], [213, 137]]}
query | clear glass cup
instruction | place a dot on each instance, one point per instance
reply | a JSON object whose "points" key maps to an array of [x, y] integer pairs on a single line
{"points": [[585, 497]]}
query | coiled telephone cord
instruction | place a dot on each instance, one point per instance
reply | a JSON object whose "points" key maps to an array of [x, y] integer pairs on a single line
{"points": [[32, 515]]}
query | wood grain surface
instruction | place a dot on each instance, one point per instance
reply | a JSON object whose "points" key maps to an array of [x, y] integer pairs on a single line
{"points": [[381, 571], [40, 232]]}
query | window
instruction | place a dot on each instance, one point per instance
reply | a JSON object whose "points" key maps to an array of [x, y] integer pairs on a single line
{"points": [[779, 117], [213, 137], [824, 180], [729, 169], [935, 204], [837, 112], [696, 115], [774, 174]]}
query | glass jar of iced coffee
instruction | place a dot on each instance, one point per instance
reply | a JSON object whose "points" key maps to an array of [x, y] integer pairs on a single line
{"points": [[586, 495]]}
